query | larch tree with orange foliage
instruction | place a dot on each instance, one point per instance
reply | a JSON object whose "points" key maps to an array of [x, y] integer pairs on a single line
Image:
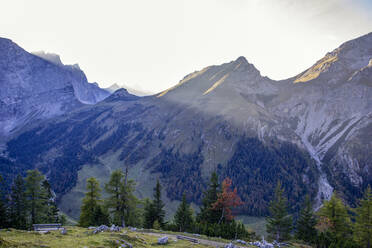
{"points": [[227, 200]]}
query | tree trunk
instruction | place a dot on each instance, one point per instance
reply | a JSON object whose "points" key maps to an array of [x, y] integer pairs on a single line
{"points": [[223, 212]]}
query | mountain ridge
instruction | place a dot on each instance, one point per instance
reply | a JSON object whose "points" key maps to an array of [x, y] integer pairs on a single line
{"points": [[34, 88], [310, 135]]}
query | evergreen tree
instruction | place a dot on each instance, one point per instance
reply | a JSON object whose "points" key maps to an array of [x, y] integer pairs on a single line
{"points": [[100, 216], [149, 214], [3, 207], [363, 220], [208, 214], [306, 223], [158, 205], [183, 217], [18, 206], [51, 209], [91, 208], [129, 203], [35, 196], [335, 218], [279, 224], [121, 201], [114, 201]]}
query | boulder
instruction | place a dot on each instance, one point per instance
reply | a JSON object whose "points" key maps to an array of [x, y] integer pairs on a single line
{"points": [[101, 228], [63, 231], [163, 240], [126, 244], [114, 228], [231, 245], [241, 242]]}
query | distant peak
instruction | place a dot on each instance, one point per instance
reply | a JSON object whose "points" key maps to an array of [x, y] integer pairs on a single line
{"points": [[51, 57], [242, 64], [242, 60]]}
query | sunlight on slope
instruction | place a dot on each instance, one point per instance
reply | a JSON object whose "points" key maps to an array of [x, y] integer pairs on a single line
{"points": [[186, 79], [215, 85], [319, 67]]}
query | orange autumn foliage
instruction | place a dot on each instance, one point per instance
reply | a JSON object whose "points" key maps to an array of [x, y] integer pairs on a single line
{"points": [[227, 199]]}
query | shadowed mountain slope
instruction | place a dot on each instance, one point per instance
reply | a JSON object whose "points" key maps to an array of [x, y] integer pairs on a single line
{"points": [[310, 131]]}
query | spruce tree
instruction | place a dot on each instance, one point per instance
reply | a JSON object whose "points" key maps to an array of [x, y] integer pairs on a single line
{"points": [[35, 195], [183, 217], [122, 202], [114, 201], [335, 213], [129, 203], [363, 220], [149, 214], [158, 205], [3, 207], [306, 223], [279, 224], [18, 206], [91, 208], [208, 214], [51, 209]]}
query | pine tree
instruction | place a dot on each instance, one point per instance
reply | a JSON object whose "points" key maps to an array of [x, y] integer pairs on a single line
{"points": [[91, 207], [226, 200], [158, 205], [121, 201], [149, 214], [51, 209], [335, 214], [207, 213], [35, 195], [18, 206], [363, 220], [3, 207], [279, 224], [100, 216], [114, 201], [183, 217], [306, 223], [130, 202]]}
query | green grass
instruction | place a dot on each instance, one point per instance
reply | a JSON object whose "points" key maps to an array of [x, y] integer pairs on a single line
{"points": [[256, 224], [82, 237]]}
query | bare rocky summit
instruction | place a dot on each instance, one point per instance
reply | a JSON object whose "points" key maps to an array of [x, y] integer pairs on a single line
{"points": [[37, 87]]}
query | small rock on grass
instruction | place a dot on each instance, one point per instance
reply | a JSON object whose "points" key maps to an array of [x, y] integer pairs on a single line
{"points": [[163, 240]]}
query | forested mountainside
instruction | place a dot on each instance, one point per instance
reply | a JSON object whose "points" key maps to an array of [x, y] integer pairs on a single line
{"points": [[39, 87], [311, 132]]}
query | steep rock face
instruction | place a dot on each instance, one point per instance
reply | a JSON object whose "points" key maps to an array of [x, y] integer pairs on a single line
{"points": [[310, 131], [33, 88], [332, 111], [85, 92]]}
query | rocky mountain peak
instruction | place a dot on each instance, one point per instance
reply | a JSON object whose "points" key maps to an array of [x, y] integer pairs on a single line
{"points": [[344, 61], [242, 65], [121, 95], [51, 57]]}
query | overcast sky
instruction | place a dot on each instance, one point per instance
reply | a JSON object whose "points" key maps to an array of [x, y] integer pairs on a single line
{"points": [[152, 44]]}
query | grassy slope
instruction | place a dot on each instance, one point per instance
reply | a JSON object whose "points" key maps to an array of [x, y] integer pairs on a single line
{"points": [[70, 202], [256, 224], [81, 237]]}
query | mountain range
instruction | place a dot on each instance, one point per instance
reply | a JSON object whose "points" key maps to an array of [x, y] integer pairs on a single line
{"points": [[38, 86], [312, 131]]}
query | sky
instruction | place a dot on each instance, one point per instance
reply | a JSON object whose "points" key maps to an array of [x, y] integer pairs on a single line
{"points": [[151, 45]]}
